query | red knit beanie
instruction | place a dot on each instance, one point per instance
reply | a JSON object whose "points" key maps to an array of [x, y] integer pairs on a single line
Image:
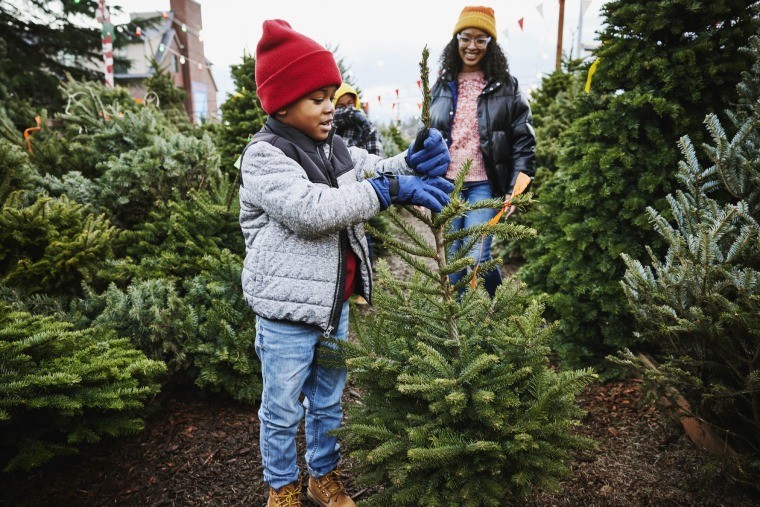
{"points": [[290, 65]]}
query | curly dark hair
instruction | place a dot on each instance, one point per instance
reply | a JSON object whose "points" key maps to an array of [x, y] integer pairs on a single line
{"points": [[494, 64]]}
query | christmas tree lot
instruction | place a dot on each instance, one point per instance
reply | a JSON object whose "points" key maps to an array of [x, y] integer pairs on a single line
{"points": [[459, 404], [699, 301], [120, 259]]}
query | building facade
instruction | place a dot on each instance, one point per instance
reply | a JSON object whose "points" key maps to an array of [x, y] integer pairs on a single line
{"points": [[174, 39]]}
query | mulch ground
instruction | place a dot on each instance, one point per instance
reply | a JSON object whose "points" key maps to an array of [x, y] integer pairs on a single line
{"points": [[198, 451]]}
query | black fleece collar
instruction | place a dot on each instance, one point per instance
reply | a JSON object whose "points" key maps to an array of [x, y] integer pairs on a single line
{"points": [[306, 143]]}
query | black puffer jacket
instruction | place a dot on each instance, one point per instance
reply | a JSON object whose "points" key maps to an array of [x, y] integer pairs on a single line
{"points": [[507, 139]]}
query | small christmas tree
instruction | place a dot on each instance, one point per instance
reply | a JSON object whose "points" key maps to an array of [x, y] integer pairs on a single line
{"points": [[52, 245], [700, 301], [60, 388], [119, 156], [177, 294], [459, 403]]}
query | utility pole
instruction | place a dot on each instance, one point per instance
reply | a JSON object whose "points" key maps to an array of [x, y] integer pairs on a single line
{"points": [[559, 33]]}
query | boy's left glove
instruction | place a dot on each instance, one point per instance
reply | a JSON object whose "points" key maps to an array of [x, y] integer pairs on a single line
{"points": [[432, 159], [431, 193]]}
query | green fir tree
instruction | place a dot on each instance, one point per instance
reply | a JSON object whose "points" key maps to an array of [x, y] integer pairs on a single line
{"points": [[61, 388], [242, 115], [459, 403], [699, 302], [662, 65], [177, 294], [53, 245], [44, 41], [169, 97], [121, 157], [555, 105], [15, 171]]}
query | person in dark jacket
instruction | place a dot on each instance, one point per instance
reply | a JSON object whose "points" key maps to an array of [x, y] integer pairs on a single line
{"points": [[477, 106], [303, 198], [351, 124]]}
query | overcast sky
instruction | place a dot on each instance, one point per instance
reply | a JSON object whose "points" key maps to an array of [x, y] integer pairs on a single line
{"points": [[382, 40]]}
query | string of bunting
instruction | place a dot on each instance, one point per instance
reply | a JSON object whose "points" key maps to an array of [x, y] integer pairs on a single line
{"points": [[135, 30], [404, 97]]}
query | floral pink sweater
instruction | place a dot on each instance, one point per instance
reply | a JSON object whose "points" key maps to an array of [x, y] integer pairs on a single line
{"points": [[464, 130]]}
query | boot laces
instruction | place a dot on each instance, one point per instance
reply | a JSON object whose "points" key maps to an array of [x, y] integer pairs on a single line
{"points": [[331, 484], [289, 498]]}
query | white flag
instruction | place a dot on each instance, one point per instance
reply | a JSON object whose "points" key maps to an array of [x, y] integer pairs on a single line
{"points": [[540, 9], [586, 4]]}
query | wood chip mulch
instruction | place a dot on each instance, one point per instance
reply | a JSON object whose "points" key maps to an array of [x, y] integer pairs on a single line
{"points": [[201, 451]]}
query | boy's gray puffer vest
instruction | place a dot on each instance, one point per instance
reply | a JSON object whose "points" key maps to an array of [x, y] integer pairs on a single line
{"points": [[302, 205], [507, 139]]}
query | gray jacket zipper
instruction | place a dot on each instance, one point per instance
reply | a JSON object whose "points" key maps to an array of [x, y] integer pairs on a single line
{"points": [[340, 281]]}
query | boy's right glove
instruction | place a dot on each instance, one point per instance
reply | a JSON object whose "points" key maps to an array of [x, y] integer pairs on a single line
{"points": [[431, 193], [429, 154]]}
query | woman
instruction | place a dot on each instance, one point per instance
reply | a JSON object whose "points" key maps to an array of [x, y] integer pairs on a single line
{"points": [[479, 109]]}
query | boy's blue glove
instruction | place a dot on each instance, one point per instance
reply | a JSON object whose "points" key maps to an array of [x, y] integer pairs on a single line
{"points": [[431, 193], [429, 155]]}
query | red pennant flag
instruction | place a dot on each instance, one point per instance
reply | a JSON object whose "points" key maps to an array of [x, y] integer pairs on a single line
{"points": [[520, 22], [396, 92], [419, 105], [419, 84], [393, 106], [378, 99]]}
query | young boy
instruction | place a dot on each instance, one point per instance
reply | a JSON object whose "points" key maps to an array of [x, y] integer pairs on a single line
{"points": [[303, 198]]}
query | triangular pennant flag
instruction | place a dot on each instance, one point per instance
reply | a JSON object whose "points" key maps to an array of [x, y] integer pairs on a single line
{"points": [[585, 5], [520, 22], [505, 33], [540, 9]]}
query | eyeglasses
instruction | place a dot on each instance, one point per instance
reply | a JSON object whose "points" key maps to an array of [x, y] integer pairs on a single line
{"points": [[480, 42]]}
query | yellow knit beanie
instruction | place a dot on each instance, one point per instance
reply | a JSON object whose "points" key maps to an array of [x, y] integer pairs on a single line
{"points": [[477, 17], [344, 89]]}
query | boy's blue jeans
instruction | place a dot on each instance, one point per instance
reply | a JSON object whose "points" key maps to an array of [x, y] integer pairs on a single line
{"points": [[289, 352], [472, 192]]}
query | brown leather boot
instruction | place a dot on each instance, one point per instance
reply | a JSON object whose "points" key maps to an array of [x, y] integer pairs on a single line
{"points": [[286, 496], [328, 491]]}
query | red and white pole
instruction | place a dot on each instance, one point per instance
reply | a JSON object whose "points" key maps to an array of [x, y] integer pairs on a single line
{"points": [[107, 34]]}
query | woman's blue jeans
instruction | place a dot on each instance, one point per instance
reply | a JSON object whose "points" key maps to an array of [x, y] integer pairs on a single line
{"points": [[472, 192], [289, 352]]}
